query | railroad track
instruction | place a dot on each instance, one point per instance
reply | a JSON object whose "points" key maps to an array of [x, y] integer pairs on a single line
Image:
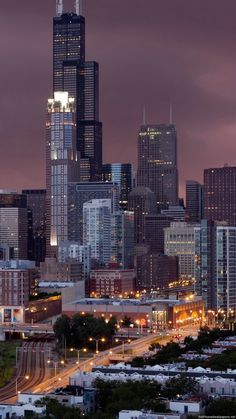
{"points": [[32, 363]]}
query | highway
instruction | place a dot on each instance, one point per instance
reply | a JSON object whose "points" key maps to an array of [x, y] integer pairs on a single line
{"points": [[32, 358], [138, 347]]}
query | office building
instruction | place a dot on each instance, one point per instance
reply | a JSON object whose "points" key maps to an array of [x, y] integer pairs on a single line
{"points": [[194, 201], [36, 202], [73, 251], [120, 173], [219, 194], [154, 231], [112, 282], [180, 242], [80, 78], [97, 230], [14, 230], [82, 192], [215, 265], [156, 271], [177, 212], [122, 239], [62, 166], [157, 162], [142, 202]]}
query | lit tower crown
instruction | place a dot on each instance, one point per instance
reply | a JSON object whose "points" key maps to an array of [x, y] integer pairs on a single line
{"points": [[59, 7]]}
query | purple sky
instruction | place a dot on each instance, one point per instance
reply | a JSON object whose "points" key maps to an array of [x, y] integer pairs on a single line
{"points": [[150, 51]]}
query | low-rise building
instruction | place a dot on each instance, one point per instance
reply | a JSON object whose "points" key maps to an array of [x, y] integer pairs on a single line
{"points": [[137, 414], [111, 282]]}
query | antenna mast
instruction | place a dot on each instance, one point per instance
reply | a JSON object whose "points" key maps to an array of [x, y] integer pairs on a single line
{"points": [[171, 114], [144, 115], [77, 7], [59, 7]]}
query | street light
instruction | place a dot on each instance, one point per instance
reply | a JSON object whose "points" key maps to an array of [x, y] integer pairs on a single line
{"points": [[78, 352], [20, 376], [56, 364], [123, 342], [97, 340]]}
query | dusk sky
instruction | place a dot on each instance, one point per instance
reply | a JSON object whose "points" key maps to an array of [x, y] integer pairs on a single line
{"points": [[150, 52]]}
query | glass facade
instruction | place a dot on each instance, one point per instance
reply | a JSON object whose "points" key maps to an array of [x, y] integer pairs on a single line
{"points": [[97, 229], [80, 78], [120, 173], [62, 163], [157, 162], [122, 239]]}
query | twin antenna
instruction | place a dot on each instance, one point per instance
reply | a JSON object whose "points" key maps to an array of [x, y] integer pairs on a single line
{"points": [[59, 7]]}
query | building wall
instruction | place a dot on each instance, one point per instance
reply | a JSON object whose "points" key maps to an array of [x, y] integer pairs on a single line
{"points": [[111, 282]]}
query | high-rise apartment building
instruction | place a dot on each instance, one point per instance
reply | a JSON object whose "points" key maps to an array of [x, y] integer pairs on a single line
{"points": [[141, 201], [157, 162], [180, 241], [62, 166], [14, 230], [36, 202], [219, 194], [194, 201], [80, 78], [82, 192], [97, 229], [73, 251], [122, 239], [215, 265], [120, 173]]}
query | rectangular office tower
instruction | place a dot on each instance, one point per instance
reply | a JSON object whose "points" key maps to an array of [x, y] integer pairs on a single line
{"points": [[120, 173], [62, 166], [194, 201], [82, 192], [80, 78], [219, 194], [215, 265], [157, 162]]}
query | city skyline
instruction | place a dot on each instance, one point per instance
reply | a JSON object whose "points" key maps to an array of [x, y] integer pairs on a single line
{"points": [[200, 40]]}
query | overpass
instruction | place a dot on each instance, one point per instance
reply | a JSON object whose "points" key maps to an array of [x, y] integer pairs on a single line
{"points": [[24, 328]]}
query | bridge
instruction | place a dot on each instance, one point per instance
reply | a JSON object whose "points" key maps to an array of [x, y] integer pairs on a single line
{"points": [[24, 328]]}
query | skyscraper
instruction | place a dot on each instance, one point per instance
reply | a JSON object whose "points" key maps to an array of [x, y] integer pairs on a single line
{"points": [[80, 78], [154, 231], [62, 166], [157, 162], [82, 192], [120, 173], [219, 194], [142, 202], [97, 229], [36, 202], [215, 265], [122, 239], [194, 201]]}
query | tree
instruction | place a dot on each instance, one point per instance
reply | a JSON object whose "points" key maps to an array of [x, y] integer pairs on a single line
{"points": [[180, 386], [221, 407], [62, 329], [126, 322]]}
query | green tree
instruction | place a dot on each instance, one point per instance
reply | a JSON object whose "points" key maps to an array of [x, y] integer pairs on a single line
{"points": [[62, 329], [180, 386], [221, 407]]}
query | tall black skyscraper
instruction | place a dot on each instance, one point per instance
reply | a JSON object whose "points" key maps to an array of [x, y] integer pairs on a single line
{"points": [[157, 162], [194, 201], [120, 173], [80, 78]]}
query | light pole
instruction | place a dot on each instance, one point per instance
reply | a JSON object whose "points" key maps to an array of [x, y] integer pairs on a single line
{"points": [[123, 342], [20, 376], [56, 364], [78, 352], [97, 340]]}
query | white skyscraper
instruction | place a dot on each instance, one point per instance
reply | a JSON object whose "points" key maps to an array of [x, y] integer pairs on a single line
{"points": [[97, 229]]}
